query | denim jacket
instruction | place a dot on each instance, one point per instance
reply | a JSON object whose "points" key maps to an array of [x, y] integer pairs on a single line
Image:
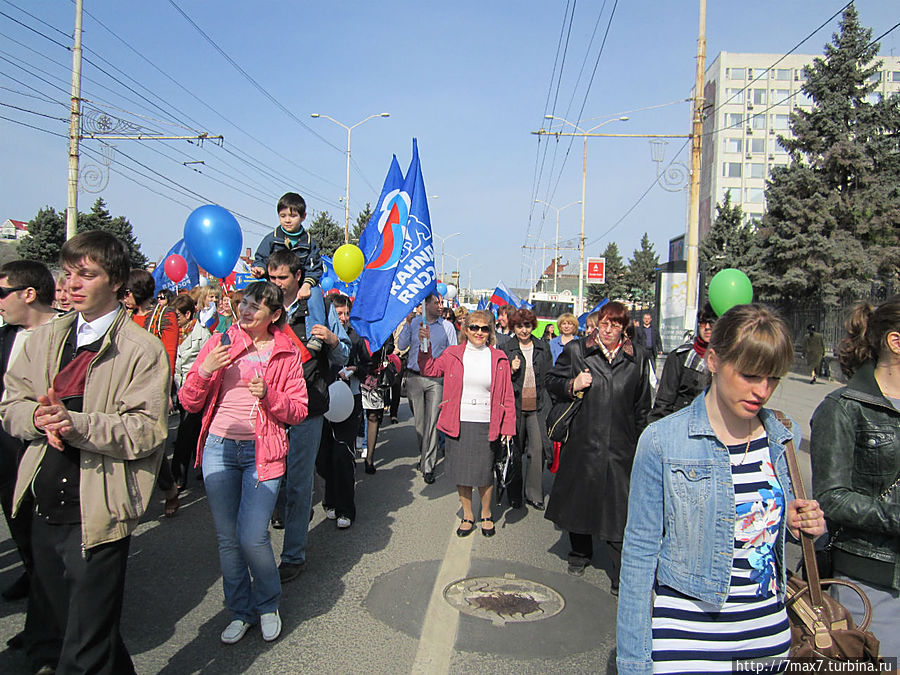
{"points": [[681, 514]]}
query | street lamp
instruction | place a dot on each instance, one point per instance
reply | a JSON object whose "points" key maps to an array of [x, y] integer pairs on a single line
{"points": [[584, 133], [556, 259], [458, 260], [443, 239], [347, 193]]}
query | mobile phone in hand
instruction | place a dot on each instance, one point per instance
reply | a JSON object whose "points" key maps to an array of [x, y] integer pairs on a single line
{"points": [[226, 339]]}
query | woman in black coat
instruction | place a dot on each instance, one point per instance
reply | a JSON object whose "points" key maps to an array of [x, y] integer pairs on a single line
{"points": [[590, 494], [530, 361]]}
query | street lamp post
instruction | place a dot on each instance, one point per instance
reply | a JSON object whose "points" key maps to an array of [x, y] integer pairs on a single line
{"points": [[584, 133], [443, 239], [556, 259], [458, 260], [347, 192]]}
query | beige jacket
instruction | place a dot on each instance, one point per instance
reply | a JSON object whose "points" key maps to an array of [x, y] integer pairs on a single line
{"points": [[121, 436]]}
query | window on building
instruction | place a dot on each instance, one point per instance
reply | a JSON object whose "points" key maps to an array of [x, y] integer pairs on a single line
{"points": [[759, 96], [875, 77], [753, 195], [757, 145], [731, 169], [735, 96], [783, 74], [756, 170], [896, 75], [734, 120], [735, 193], [779, 121], [803, 99], [775, 147], [735, 73], [781, 96], [799, 75], [751, 216], [734, 145], [759, 122]]}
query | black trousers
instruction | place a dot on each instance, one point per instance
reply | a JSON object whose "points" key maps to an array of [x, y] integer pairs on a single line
{"points": [[186, 445], [336, 462], [75, 604], [395, 393], [583, 551]]}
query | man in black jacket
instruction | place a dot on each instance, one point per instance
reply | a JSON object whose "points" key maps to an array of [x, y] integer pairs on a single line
{"points": [[332, 347], [27, 290], [685, 375], [647, 336]]}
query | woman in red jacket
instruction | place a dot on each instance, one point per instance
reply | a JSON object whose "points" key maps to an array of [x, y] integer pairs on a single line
{"points": [[478, 409]]}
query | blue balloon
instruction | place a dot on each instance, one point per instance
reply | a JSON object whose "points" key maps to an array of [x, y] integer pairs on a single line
{"points": [[442, 288], [214, 238], [327, 283]]}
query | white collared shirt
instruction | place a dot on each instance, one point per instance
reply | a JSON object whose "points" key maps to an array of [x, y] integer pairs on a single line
{"points": [[91, 331]]}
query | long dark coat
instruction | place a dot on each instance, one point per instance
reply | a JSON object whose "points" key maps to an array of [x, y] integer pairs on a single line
{"points": [[590, 493], [542, 362]]}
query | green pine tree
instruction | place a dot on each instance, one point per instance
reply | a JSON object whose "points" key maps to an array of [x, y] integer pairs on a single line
{"points": [[327, 233], [729, 242], [99, 218], [46, 235], [614, 288], [640, 277], [832, 219], [361, 221]]}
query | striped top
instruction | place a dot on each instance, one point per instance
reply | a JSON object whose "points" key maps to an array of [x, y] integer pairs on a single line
{"points": [[690, 636]]}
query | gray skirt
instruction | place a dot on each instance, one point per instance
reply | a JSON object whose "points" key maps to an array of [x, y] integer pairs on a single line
{"points": [[470, 458]]}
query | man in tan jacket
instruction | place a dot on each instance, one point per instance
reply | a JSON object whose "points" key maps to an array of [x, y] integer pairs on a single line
{"points": [[89, 396]]}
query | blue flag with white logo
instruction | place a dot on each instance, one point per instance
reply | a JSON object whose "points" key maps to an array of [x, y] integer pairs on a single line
{"points": [[482, 303], [397, 245], [191, 279]]}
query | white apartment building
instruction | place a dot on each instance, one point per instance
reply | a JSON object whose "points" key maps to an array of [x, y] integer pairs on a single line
{"points": [[748, 100]]}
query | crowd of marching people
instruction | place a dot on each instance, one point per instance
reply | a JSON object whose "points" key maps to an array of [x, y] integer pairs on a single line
{"points": [[684, 478]]}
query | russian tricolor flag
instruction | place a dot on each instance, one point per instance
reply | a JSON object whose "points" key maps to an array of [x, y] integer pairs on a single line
{"points": [[503, 296]]}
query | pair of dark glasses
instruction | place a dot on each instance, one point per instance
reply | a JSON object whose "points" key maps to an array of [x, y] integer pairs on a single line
{"points": [[476, 328], [4, 292]]}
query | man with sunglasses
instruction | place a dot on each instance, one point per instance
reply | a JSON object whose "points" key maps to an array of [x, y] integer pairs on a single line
{"points": [[27, 291], [685, 376], [425, 393]]}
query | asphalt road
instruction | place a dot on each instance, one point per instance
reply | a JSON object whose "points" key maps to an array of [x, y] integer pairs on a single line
{"points": [[371, 599]]}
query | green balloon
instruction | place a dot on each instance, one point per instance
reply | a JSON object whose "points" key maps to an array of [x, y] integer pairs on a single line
{"points": [[729, 288]]}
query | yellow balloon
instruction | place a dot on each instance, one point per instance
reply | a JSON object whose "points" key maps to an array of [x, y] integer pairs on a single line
{"points": [[348, 263]]}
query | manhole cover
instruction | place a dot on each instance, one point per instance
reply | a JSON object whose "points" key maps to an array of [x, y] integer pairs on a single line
{"points": [[504, 599]]}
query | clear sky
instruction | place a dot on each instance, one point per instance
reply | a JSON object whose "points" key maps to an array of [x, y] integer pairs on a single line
{"points": [[470, 80]]}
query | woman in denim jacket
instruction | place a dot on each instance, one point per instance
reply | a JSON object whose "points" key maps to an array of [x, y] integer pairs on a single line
{"points": [[703, 572], [855, 447]]}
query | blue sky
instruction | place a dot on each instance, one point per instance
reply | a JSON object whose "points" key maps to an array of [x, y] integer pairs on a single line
{"points": [[470, 80]]}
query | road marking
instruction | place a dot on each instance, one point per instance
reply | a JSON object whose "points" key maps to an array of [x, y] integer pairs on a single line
{"points": [[441, 620]]}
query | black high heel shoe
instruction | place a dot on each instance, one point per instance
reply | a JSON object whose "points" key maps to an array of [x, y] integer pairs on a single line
{"points": [[460, 532], [488, 532]]}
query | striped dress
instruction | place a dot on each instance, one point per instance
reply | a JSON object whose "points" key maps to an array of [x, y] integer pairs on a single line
{"points": [[690, 636]]}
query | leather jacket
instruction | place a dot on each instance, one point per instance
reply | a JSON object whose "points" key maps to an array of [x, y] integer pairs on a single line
{"points": [[855, 447]]}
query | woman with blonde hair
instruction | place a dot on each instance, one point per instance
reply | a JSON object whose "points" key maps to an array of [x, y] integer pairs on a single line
{"points": [[855, 448], [703, 564], [567, 326], [478, 409]]}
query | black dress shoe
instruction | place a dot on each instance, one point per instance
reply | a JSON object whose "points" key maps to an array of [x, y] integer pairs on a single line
{"points": [[18, 590], [488, 532], [515, 503], [370, 468], [535, 505], [460, 532], [429, 477]]}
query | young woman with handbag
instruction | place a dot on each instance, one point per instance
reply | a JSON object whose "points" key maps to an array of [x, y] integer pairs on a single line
{"points": [[703, 564]]}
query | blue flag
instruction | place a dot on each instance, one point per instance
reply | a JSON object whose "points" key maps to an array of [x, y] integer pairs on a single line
{"points": [[582, 320], [482, 303], [191, 279], [350, 290], [397, 245]]}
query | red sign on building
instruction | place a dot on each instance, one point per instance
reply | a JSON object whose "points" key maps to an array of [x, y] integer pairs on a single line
{"points": [[596, 270]]}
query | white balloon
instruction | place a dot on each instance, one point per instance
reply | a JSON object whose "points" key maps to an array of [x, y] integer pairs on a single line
{"points": [[451, 292], [340, 405], [204, 281]]}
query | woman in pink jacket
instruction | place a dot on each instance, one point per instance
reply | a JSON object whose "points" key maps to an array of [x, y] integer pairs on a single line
{"points": [[478, 408], [248, 382]]}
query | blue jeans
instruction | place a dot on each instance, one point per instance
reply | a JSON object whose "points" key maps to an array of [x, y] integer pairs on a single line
{"points": [[241, 507], [295, 501]]}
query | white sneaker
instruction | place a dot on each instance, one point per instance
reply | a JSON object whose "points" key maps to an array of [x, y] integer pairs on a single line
{"points": [[271, 625], [330, 514], [234, 631], [344, 522]]}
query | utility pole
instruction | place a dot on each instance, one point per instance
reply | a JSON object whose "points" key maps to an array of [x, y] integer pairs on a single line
{"points": [[74, 124], [693, 229]]}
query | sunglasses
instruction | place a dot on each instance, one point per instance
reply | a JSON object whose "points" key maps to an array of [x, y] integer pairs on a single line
{"points": [[4, 292], [160, 297], [476, 328]]}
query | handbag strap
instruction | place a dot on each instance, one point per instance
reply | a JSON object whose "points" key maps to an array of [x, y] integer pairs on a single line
{"points": [[806, 540]]}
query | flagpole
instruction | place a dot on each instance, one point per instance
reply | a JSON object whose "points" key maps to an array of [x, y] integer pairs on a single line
{"points": [[424, 319]]}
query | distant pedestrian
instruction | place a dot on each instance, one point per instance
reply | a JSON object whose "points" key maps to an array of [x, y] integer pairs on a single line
{"points": [[568, 331], [813, 350], [647, 336]]}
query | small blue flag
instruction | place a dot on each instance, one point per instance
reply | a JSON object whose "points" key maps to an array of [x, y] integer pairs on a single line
{"points": [[191, 279], [397, 245], [482, 303]]}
